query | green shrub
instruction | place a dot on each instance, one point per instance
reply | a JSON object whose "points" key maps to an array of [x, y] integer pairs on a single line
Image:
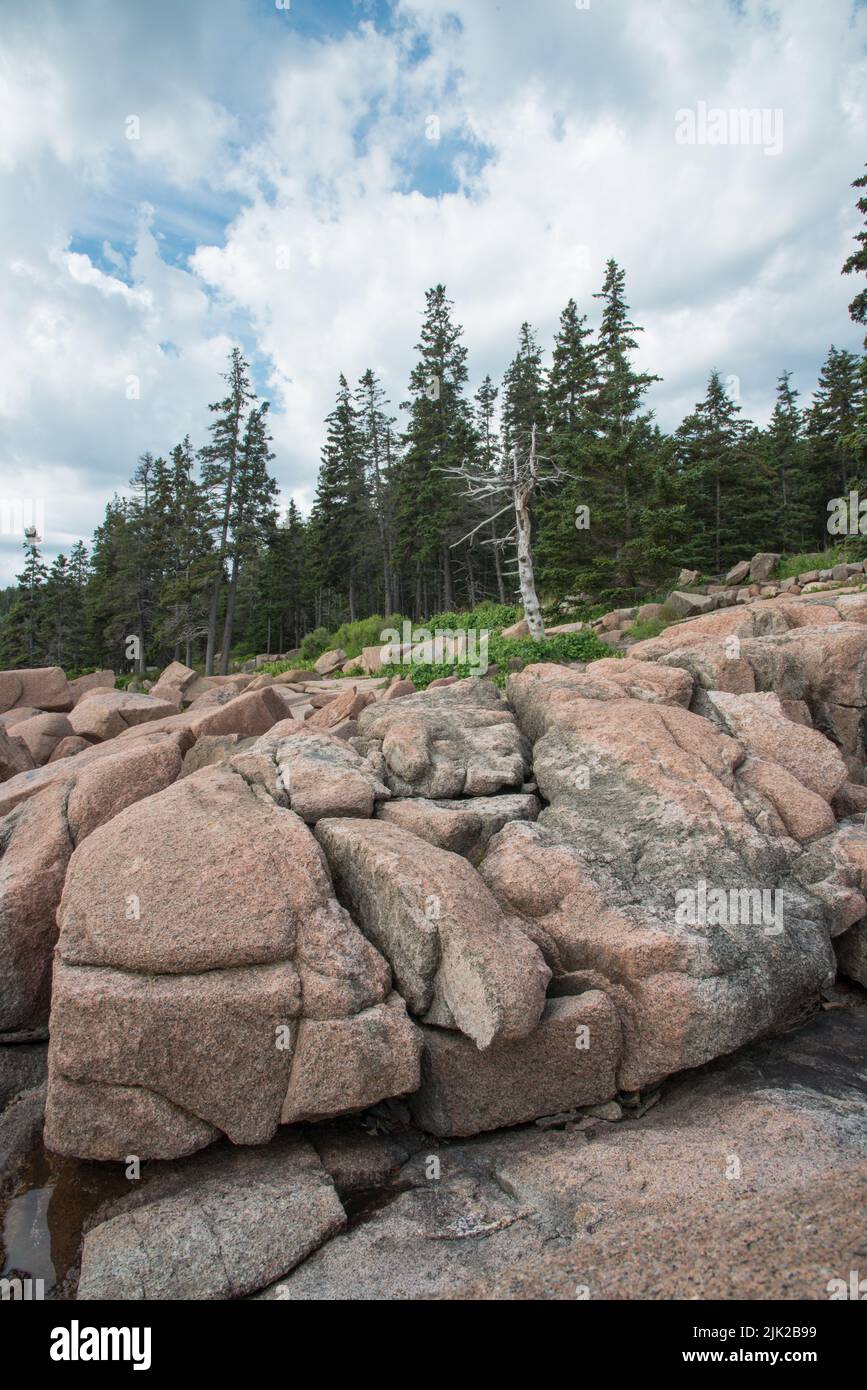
{"points": [[792, 565], [640, 632], [568, 646], [314, 644]]}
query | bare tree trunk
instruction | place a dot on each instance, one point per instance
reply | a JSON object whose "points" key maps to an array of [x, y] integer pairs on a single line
{"points": [[230, 618], [521, 495]]}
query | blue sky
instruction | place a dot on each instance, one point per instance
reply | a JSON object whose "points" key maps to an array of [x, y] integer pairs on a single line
{"points": [[299, 176]]}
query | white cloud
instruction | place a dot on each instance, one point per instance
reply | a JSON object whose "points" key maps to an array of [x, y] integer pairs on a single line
{"points": [[732, 257]]}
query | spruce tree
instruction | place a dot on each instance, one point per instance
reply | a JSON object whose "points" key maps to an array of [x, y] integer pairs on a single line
{"points": [[252, 512], [341, 517], [375, 425], [429, 510], [22, 628], [571, 390], [616, 477], [831, 422], [219, 468], [711, 447], [786, 454]]}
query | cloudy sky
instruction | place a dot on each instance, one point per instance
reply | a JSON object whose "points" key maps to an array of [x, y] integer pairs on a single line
{"points": [[292, 176]]}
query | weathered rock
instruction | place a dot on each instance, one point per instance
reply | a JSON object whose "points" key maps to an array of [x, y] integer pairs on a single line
{"points": [[632, 783], [449, 742], [762, 566], [465, 826], [655, 1207], [321, 774], [69, 747], [20, 1128], [200, 924], [94, 680], [760, 724], [570, 1059], [219, 696], [399, 687], [738, 573], [41, 735], [23, 1067], [611, 679], [248, 715], [15, 757], [355, 1160], [350, 1063], [16, 716], [170, 1034], [652, 613], [803, 813], [851, 950], [36, 842], [44, 688], [329, 662], [519, 629], [105, 714], [347, 705], [100, 1121], [432, 918], [173, 683], [240, 1219], [220, 878], [213, 750], [35, 848], [689, 605], [202, 684]]}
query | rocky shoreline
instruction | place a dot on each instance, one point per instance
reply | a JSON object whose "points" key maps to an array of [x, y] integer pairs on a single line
{"points": [[422, 993]]}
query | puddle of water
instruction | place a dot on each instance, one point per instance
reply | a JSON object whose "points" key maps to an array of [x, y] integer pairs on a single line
{"points": [[43, 1221]]}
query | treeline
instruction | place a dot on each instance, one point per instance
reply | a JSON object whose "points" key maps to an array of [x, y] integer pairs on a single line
{"points": [[197, 564]]}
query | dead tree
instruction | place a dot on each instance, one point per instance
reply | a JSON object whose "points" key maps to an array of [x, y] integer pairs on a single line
{"points": [[524, 471]]}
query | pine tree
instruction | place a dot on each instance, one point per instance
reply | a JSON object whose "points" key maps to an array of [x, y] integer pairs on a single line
{"points": [[858, 260], [219, 467], [429, 511], [573, 384], [831, 422], [787, 458], [617, 475], [286, 610], [252, 512], [189, 565], [856, 440], [341, 517], [523, 392], [375, 426], [58, 619], [711, 449], [22, 629]]}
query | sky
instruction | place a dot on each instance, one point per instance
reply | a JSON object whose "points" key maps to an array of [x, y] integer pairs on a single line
{"points": [[292, 176]]}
